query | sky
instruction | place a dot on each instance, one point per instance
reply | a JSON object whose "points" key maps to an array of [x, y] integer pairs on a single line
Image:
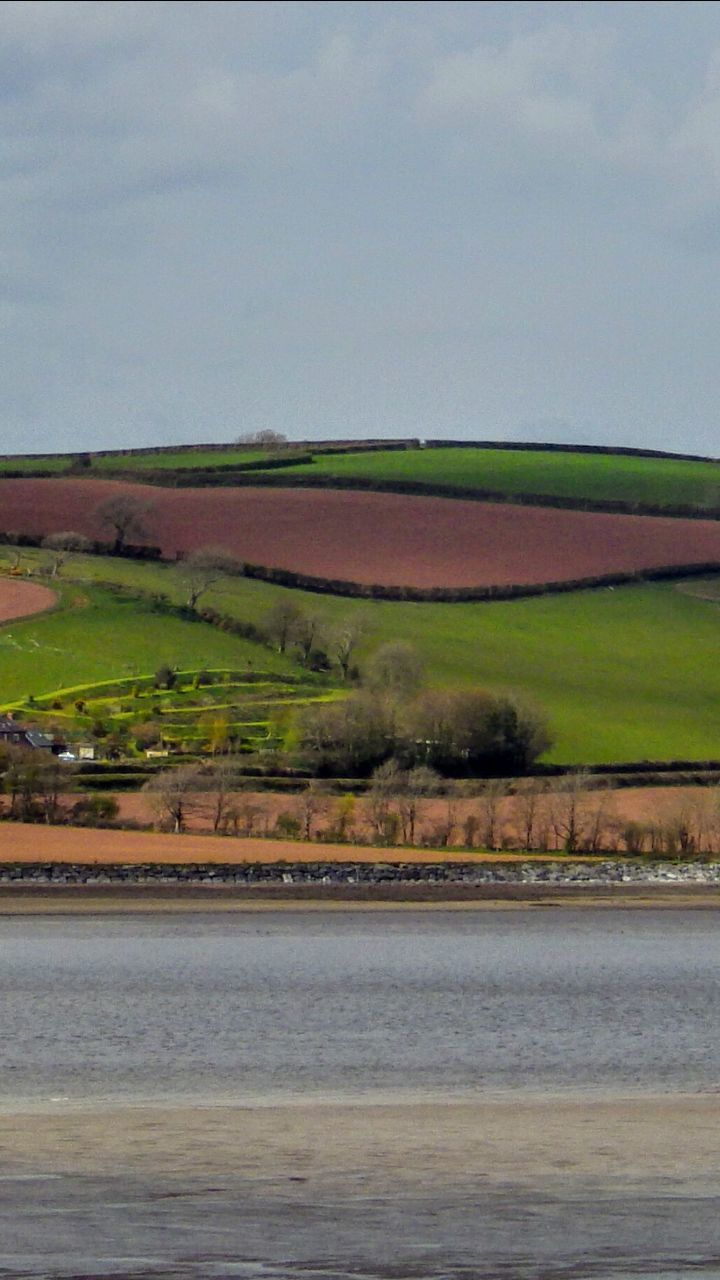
{"points": [[337, 220]]}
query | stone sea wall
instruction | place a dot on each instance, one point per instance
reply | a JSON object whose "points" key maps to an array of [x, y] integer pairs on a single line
{"points": [[573, 872]]}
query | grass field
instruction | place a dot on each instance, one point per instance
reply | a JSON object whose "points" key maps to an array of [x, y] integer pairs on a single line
{"points": [[28, 465], [98, 635], [657, 481], [625, 674], [180, 459]]}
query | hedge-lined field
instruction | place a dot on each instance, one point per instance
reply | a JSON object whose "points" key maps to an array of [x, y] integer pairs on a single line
{"points": [[97, 635], [624, 674], [595, 476]]}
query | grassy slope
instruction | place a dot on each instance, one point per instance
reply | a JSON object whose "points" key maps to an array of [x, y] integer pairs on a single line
{"points": [[569, 475], [624, 674], [95, 635]]}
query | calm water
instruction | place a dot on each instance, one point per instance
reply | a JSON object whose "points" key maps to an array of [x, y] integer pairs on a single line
{"points": [[145, 1008], [358, 1001]]}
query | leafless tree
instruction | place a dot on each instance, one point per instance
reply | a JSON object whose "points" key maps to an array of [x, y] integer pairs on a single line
{"points": [[306, 634], [343, 641], [264, 437], [281, 623], [567, 816], [396, 668], [62, 545], [35, 779], [127, 515], [597, 820], [382, 800], [174, 795], [223, 780], [528, 803], [203, 568], [311, 805], [418, 784], [490, 801]]}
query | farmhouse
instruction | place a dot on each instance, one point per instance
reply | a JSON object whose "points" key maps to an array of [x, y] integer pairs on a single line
{"points": [[19, 735]]}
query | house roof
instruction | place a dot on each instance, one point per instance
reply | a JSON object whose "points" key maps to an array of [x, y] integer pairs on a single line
{"points": [[36, 739]]}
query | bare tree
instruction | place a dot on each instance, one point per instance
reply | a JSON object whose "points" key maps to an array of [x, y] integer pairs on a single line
{"points": [[567, 817], [35, 779], [306, 634], [62, 545], [418, 784], [281, 623], [529, 800], [264, 437], [385, 787], [174, 795], [597, 820], [201, 569], [491, 797], [222, 780], [395, 668], [311, 805], [127, 515], [344, 640]]}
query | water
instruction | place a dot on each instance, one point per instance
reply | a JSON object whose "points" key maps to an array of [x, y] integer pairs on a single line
{"points": [[137, 1007], [300, 1005]]}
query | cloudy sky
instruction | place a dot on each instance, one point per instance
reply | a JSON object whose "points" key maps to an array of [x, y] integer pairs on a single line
{"points": [[471, 220]]}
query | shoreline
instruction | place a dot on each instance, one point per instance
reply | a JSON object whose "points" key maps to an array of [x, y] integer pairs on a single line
{"points": [[44, 899]]}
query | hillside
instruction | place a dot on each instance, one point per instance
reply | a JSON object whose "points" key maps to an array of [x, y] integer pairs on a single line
{"points": [[623, 674]]}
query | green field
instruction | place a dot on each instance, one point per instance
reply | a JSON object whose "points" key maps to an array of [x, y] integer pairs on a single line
{"points": [[98, 635], [624, 674], [179, 460], [56, 462], [602, 477]]}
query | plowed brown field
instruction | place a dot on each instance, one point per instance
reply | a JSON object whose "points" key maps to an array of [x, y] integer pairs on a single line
{"points": [[21, 599], [381, 538]]}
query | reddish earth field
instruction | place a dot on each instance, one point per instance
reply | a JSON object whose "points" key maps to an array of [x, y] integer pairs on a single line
{"points": [[389, 539], [36, 843], [259, 811], [21, 599]]}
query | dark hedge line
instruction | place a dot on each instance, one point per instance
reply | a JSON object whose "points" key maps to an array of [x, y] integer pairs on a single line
{"points": [[95, 547], [466, 595]]}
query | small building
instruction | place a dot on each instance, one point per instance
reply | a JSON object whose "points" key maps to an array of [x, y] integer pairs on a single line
{"points": [[15, 734]]}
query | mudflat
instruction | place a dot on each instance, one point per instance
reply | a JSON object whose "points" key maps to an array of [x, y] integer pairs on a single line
{"points": [[413, 1143]]}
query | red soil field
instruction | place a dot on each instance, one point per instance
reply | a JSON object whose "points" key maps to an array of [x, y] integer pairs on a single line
{"points": [[389, 539], [21, 599], [37, 843]]}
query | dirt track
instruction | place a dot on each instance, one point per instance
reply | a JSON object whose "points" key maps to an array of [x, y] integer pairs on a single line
{"points": [[389, 539], [21, 599]]}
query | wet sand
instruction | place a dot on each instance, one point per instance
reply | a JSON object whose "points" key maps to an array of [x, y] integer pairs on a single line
{"points": [[48, 900], [522, 1188], [414, 1143]]}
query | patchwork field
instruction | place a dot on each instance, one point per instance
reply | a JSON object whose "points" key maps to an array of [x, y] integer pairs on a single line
{"points": [[387, 539], [22, 599], [625, 674]]}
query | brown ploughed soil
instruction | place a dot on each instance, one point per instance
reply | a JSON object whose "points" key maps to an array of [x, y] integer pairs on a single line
{"points": [[21, 842], [21, 599], [37, 843], [628, 804], [389, 539]]}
